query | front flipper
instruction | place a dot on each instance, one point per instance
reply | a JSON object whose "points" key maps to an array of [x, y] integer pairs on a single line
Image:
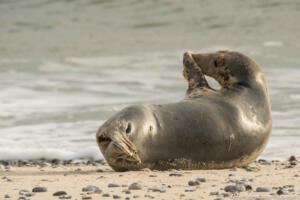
{"points": [[193, 74]]}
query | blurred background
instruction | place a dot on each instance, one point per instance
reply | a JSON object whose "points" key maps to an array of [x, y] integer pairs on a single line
{"points": [[67, 65]]}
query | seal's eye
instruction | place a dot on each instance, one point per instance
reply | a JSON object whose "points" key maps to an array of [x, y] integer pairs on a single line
{"points": [[128, 129], [219, 61]]}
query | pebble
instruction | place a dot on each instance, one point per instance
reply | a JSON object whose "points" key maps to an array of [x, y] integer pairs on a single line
{"points": [[99, 170], [248, 187], [39, 189], [136, 196], [106, 195], [65, 197], [214, 193], [86, 197], [91, 188], [7, 196], [175, 174], [25, 193], [226, 194], [135, 186], [218, 199], [126, 191], [152, 175], [193, 183], [113, 185], [282, 191], [235, 188], [117, 197], [59, 193], [201, 180], [127, 198], [263, 189]]}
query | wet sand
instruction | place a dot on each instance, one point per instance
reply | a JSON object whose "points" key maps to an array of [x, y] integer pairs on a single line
{"points": [[279, 180]]}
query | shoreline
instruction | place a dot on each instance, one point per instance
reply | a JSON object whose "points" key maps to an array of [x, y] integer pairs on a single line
{"points": [[87, 179]]}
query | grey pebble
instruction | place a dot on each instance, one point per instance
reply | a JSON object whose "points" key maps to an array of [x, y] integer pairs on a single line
{"points": [[116, 196], [135, 186], [235, 188], [231, 174], [126, 191], [282, 191], [263, 189], [218, 199], [113, 185], [65, 197], [152, 175], [175, 174], [22, 198], [25, 193], [91, 188], [214, 193], [226, 194], [86, 197], [99, 170], [106, 195], [296, 175], [193, 183], [136, 196], [127, 198], [39, 189], [7, 196], [248, 187], [201, 180], [59, 193]]}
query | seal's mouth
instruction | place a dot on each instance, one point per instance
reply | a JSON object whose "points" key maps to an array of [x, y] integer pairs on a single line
{"points": [[119, 151]]}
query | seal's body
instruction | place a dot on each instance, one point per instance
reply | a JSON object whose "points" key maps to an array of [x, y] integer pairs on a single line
{"points": [[209, 129]]}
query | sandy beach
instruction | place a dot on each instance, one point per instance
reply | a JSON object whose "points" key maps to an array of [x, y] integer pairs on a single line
{"points": [[96, 180]]}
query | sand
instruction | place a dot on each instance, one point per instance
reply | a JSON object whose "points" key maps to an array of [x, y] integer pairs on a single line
{"points": [[172, 184]]}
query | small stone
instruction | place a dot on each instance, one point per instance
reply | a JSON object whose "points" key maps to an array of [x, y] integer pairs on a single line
{"points": [[263, 189], [218, 199], [21, 198], [113, 185], [151, 175], [7, 196], [117, 197], [99, 170], [214, 193], [39, 189], [65, 197], [86, 197], [91, 188], [136, 196], [231, 174], [193, 183], [296, 175], [226, 194], [106, 195], [235, 188], [282, 191], [248, 187], [126, 191], [25, 193], [175, 174], [135, 186], [201, 180], [59, 193]]}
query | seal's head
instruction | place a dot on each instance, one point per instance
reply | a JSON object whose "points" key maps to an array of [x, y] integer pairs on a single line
{"points": [[227, 67], [115, 137]]}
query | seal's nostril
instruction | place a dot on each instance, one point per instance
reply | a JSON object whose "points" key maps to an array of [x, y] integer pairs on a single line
{"points": [[103, 139], [128, 129]]}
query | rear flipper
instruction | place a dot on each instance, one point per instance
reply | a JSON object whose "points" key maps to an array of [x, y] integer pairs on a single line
{"points": [[193, 74]]}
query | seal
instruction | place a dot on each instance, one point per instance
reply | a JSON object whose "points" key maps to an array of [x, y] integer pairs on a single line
{"points": [[208, 129]]}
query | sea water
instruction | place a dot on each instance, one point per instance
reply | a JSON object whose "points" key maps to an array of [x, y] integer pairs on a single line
{"points": [[66, 66]]}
